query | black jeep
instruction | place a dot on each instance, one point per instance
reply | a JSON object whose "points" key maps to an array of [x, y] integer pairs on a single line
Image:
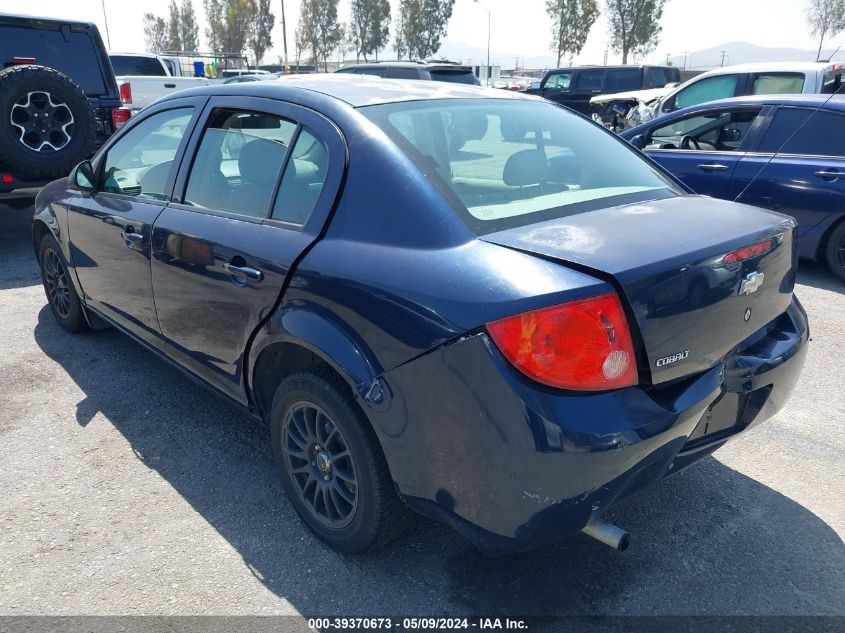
{"points": [[57, 98]]}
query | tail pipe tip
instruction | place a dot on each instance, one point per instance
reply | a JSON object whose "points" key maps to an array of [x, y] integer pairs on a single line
{"points": [[608, 534]]}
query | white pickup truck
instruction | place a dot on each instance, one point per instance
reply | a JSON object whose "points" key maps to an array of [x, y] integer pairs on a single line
{"points": [[143, 78]]}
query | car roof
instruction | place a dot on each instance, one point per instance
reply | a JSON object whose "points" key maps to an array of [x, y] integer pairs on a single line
{"points": [[356, 90], [768, 66], [830, 102], [22, 19], [411, 64], [608, 67]]}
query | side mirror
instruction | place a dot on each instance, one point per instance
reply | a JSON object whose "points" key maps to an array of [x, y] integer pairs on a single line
{"points": [[637, 141], [82, 177]]}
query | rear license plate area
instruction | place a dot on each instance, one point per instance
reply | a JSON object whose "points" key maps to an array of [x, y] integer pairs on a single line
{"points": [[721, 417]]}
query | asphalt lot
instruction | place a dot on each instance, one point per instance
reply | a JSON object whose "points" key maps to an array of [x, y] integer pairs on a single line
{"points": [[127, 489]]}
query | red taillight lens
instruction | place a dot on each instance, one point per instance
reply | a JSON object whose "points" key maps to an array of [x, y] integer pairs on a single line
{"points": [[125, 93], [7, 179], [584, 345], [747, 252], [119, 117], [19, 61]]}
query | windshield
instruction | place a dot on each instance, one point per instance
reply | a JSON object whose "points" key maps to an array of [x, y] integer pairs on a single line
{"points": [[506, 163]]}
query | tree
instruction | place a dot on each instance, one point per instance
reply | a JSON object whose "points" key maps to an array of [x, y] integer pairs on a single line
{"points": [[571, 24], [155, 33], [260, 30], [825, 17], [369, 28], [188, 29], [319, 30], [634, 25], [230, 23], [421, 26], [173, 41]]}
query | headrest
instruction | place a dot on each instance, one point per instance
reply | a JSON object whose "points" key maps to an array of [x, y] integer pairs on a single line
{"points": [[525, 168], [259, 161]]}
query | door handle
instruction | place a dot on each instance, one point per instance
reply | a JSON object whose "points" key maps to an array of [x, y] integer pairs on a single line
{"points": [[712, 167], [169, 85], [249, 272], [130, 237], [830, 175]]}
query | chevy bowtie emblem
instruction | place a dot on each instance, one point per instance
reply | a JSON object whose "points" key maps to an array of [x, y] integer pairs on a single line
{"points": [[751, 283]]}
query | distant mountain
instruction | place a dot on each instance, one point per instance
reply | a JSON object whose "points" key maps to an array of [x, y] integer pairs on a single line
{"points": [[746, 53]]}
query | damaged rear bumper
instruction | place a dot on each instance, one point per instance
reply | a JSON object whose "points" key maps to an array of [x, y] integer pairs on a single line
{"points": [[512, 464]]}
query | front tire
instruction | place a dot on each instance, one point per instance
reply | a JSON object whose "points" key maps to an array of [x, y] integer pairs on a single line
{"points": [[836, 251], [331, 465], [61, 295]]}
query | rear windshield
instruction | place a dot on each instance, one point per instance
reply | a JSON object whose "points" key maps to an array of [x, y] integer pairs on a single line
{"points": [[454, 76], [132, 65], [506, 163], [72, 52]]}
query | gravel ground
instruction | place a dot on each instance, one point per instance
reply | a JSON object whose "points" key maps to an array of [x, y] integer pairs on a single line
{"points": [[127, 489]]}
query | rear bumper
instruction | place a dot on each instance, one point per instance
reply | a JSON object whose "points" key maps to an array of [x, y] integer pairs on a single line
{"points": [[513, 465]]}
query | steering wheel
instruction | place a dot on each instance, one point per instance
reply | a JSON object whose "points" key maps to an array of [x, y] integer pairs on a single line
{"points": [[688, 142]]}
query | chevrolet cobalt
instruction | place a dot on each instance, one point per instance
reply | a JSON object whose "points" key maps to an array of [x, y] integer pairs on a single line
{"points": [[505, 335]]}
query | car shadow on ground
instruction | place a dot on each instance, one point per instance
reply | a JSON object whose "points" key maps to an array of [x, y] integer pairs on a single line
{"points": [[818, 275], [708, 540]]}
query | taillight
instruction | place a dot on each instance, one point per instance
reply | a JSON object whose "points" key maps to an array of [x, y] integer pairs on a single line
{"points": [[126, 93], [7, 179], [20, 61], [747, 252], [583, 345], [119, 117]]}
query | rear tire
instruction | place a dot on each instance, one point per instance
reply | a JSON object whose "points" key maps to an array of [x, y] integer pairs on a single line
{"points": [[331, 465], [61, 296], [836, 251]]}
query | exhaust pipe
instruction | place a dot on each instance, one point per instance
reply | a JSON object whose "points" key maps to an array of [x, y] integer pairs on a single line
{"points": [[608, 534]]}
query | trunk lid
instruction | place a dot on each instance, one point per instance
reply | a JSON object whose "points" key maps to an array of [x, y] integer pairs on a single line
{"points": [[667, 259]]}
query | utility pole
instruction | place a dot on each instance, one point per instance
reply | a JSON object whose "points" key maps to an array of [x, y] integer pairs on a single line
{"points": [[686, 53], [723, 59], [489, 70], [105, 17], [285, 37]]}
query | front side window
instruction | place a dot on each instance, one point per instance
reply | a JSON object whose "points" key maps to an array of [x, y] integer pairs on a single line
{"points": [[562, 164], [710, 89], [559, 81], [717, 131], [238, 162], [778, 84], [140, 162], [807, 132]]}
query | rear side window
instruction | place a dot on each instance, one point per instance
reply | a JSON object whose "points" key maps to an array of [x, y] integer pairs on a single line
{"points": [[76, 56], [560, 81], [454, 76], [399, 72], [709, 89], [375, 71], [778, 84], [805, 131], [140, 163], [623, 80], [505, 164], [303, 180], [238, 162], [132, 65], [589, 79], [659, 77]]}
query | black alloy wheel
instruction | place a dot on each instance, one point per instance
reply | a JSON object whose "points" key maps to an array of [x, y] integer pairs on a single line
{"points": [[56, 283], [319, 462], [836, 251]]}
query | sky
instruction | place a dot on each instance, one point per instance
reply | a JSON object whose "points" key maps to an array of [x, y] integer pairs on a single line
{"points": [[519, 28]]}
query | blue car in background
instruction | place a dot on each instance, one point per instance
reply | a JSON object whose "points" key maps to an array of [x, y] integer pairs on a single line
{"points": [[505, 335], [784, 153]]}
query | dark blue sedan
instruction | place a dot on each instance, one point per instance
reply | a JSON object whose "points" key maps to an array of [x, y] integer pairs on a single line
{"points": [[784, 153], [507, 336]]}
